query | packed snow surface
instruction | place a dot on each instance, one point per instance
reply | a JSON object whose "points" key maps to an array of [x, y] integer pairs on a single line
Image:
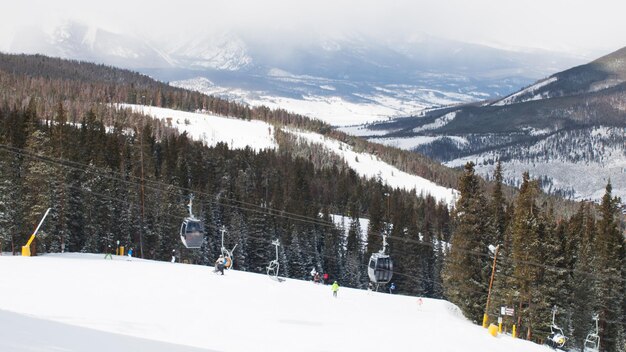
{"points": [[82, 302], [212, 129]]}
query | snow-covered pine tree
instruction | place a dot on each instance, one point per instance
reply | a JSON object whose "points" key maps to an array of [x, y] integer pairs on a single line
{"points": [[354, 270]]}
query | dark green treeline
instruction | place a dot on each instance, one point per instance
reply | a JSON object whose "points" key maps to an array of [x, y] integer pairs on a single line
{"points": [[544, 261], [91, 176]]}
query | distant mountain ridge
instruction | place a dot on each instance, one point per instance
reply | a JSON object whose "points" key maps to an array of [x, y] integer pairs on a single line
{"points": [[603, 73], [571, 122], [322, 76]]}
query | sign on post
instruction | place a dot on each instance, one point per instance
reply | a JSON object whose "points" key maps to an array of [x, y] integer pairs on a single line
{"points": [[507, 311]]}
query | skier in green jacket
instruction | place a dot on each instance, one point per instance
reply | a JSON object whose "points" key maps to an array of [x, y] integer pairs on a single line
{"points": [[335, 288]]}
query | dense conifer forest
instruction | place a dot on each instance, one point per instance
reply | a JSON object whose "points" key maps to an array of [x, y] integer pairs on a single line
{"points": [[111, 175]]}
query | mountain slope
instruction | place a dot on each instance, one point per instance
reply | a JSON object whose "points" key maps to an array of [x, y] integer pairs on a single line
{"points": [[605, 72], [187, 305], [257, 135], [573, 120]]}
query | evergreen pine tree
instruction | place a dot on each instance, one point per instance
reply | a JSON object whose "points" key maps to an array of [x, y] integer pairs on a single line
{"points": [[582, 226], [529, 231], [354, 268], [465, 273], [610, 260], [39, 186]]}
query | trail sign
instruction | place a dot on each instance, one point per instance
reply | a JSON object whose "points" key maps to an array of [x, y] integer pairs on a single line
{"points": [[507, 311]]}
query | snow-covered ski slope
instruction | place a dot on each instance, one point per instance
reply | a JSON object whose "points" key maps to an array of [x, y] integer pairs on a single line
{"points": [[82, 302], [258, 135]]}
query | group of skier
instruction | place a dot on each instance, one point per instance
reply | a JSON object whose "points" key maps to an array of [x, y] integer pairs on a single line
{"points": [[317, 278], [324, 279]]}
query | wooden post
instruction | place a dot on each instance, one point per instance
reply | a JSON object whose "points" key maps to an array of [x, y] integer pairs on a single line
{"points": [[493, 273]]}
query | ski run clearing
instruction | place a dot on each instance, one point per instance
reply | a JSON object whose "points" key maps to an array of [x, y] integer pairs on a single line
{"points": [[82, 302], [258, 135]]}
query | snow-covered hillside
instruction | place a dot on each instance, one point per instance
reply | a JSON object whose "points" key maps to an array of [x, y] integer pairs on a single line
{"points": [[371, 166], [237, 133], [212, 129], [82, 302], [527, 94], [576, 164]]}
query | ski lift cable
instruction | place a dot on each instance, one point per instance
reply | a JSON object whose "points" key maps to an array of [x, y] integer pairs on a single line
{"points": [[260, 209], [280, 213], [410, 277], [80, 166], [91, 167], [268, 211], [301, 218], [263, 239], [215, 227]]}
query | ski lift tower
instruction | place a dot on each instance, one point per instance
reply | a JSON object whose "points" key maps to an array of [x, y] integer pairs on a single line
{"points": [[228, 254], [274, 266], [592, 342]]}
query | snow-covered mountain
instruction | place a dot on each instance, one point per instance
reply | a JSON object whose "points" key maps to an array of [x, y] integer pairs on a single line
{"points": [[351, 79], [341, 79], [225, 52], [79, 41], [568, 130], [239, 134], [82, 302]]}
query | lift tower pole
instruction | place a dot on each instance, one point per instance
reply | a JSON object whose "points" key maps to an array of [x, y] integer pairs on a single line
{"points": [[493, 273]]}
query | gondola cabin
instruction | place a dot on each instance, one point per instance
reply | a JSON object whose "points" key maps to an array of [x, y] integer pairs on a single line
{"points": [[192, 233], [380, 268]]}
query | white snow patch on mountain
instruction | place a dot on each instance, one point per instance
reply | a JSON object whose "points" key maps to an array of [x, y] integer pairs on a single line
{"points": [[213, 129], [410, 143], [439, 122], [222, 52], [370, 166], [362, 130], [511, 99]]}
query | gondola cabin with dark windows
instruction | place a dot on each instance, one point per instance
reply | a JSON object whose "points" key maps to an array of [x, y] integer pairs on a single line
{"points": [[192, 230], [380, 268], [192, 233]]}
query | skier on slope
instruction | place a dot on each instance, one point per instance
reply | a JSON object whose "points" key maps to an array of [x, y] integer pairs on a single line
{"points": [[109, 253], [335, 288], [220, 264]]}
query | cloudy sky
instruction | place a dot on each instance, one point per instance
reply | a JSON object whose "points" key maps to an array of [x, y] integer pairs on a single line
{"points": [[580, 27]]}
